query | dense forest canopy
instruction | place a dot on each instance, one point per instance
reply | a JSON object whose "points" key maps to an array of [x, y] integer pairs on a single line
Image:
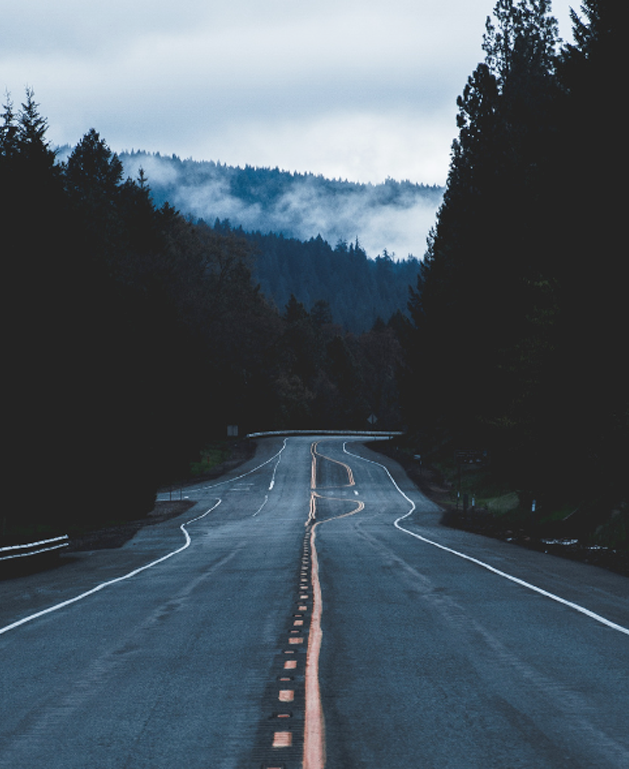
{"points": [[133, 335], [358, 290], [520, 323]]}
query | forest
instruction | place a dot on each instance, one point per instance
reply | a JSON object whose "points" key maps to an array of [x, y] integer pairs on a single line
{"points": [[135, 334], [519, 341], [359, 290]]}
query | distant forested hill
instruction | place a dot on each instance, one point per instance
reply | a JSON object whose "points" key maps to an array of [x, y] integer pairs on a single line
{"points": [[392, 216], [357, 289], [312, 237]]}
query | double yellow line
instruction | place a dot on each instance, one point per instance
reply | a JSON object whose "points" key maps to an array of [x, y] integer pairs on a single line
{"points": [[313, 467], [314, 727]]}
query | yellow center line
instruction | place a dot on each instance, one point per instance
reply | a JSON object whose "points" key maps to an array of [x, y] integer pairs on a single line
{"points": [[286, 695], [313, 467], [314, 726], [282, 739]]}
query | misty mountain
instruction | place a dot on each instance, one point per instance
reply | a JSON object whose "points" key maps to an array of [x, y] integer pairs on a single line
{"points": [[389, 218], [291, 221]]}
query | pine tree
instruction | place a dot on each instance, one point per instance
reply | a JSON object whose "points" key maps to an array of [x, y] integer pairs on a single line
{"points": [[590, 219], [34, 148], [93, 171], [482, 268], [8, 133]]}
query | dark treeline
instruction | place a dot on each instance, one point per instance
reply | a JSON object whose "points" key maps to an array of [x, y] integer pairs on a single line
{"points": [[520, 339], [132, 337], [358, 289]]}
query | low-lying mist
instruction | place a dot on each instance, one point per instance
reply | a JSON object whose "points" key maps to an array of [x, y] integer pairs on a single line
{"points": [[392, 217]]}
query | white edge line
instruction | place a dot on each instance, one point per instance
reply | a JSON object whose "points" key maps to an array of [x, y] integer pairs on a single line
{"points": [[103, 585], [266, 499], [277, 464], [541, 591]]}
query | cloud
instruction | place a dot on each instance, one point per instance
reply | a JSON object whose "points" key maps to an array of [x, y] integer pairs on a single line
{"points": [[336, 87], [365, 146]]}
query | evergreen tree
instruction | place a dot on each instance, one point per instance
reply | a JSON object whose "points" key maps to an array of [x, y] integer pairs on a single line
{"points": [[482, 268], [8, 134], [595, 322], [35, 302], [516, 336]]}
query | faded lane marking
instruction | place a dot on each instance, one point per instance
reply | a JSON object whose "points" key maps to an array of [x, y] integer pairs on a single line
{"points": [[198, 490], [266, 499]]}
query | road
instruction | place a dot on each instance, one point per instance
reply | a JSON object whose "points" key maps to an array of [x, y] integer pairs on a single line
{"points": [[309, 610]]}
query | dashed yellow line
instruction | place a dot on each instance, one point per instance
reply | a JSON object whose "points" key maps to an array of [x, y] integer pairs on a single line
{"points": [[282, 739]]}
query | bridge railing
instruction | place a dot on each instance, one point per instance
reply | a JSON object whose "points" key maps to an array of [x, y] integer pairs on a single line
{"points": [[358, 433]]}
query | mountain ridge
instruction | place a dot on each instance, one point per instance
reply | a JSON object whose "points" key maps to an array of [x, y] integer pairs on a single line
{"points": [[391, 217]]}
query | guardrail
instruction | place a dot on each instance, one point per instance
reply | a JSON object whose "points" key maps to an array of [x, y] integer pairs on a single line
{"points": [[34, 548], [360, 433]]}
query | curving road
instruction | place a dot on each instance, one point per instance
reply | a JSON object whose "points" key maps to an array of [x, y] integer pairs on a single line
{"points": [[309, 611]]}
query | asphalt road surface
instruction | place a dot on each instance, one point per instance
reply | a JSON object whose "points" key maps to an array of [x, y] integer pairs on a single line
{"points": [[310, 611]]}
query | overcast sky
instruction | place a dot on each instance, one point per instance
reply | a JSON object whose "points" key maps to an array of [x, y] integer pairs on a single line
{"points": [[352, 89]]}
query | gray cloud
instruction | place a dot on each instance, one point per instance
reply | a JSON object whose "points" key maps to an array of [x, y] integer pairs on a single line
{"points": [[362, 90]]}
